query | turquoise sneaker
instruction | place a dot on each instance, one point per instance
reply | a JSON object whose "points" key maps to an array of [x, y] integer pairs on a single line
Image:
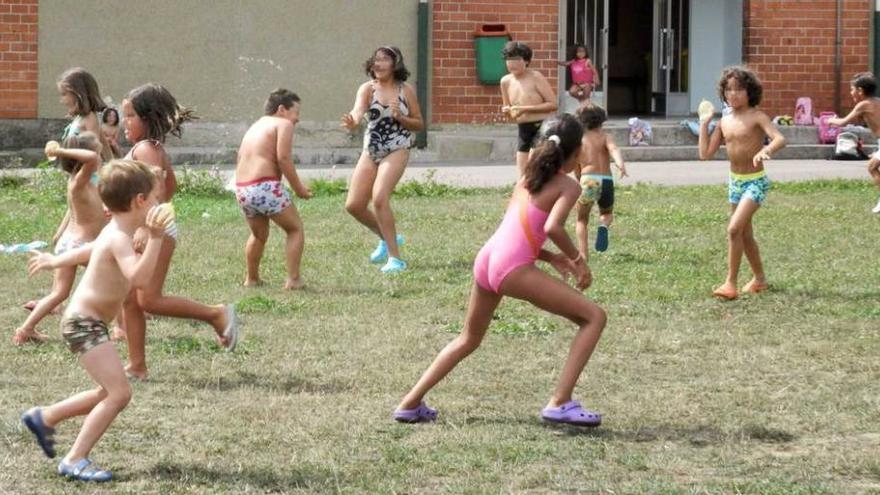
{"points": [[380, 254], [394, 265]]}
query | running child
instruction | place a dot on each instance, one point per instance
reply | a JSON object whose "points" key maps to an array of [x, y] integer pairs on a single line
{"points": [[505, 266], [128, 189], [743, 131], [82, 223], [150, 113], [583, 74], [527, 98], [263, 158], [863, 90], [594, 173]]}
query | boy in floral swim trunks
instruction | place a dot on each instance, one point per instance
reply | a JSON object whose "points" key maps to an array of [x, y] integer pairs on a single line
{"points": [[743, 131], [129, 191], [264, 156], [594, 173]]}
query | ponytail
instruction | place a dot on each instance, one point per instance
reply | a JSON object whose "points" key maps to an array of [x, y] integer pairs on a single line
{"points": [[559, 139]]}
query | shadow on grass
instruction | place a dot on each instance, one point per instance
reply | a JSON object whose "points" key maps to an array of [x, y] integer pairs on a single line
{"points": [[281, 480], [698, 436], [244, 379]]}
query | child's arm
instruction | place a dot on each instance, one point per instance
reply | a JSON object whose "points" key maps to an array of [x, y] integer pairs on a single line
{"points": [[353, 118], [45, 261], [616, 155], [283, 150], [777, 140], [505, 97], [89, 159], [413, 121], [595, 72], [709, 145], [565, 63], [138, 270], [554, 227], [854, 115]]}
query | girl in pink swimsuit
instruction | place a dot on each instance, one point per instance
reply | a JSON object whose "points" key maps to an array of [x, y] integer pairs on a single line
{"points": [[583, 74], [505, 266]]}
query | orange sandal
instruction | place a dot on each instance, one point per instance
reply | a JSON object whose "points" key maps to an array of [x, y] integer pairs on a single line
{"points": [[725, 292], [754, 287]]}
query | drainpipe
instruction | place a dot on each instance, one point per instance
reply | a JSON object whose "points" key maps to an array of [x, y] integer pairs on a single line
{"points": [[837, 60], [422, 71]]}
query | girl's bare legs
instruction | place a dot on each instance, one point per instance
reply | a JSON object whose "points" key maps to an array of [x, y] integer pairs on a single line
{"points": [[61, 284], [359, 193], [740, 222], [479, 314], [135, 324], [294, 244], [551, 294], [254, 247], [151, 300], [103, 365], [390, 171]]}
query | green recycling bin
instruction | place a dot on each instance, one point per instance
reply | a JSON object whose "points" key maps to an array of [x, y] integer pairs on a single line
{"points": [[489, 41]]}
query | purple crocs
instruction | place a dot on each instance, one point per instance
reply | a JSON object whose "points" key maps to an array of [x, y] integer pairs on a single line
{"points": [[421, 414], [571, 413]]}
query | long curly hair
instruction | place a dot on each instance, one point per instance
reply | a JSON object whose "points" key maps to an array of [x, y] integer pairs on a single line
{"points": [[745, 78], [159, 110], [559, 139]]}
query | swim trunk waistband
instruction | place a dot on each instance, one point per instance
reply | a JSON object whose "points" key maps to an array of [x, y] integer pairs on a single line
{"points": [[752, 176], [257, 181]]}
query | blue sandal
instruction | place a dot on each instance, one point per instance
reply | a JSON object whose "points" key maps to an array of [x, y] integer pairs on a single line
{"points": [[421, 414], [84, 470], [33, 419]]}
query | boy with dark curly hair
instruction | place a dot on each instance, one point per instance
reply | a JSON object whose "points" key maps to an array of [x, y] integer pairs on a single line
{"points": [[743, 131]]}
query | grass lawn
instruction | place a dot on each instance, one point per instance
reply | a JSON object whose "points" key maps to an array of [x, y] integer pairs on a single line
{"points": [[777, 393]]}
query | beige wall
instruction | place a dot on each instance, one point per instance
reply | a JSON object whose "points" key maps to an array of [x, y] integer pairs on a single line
{"points": [[223, 57]]}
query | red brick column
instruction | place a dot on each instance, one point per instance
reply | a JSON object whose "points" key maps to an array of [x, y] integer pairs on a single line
{"points": [[790, 44], [18, 59], [456, 95]]}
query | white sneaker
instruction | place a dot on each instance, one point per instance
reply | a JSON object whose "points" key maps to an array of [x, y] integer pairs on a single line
{"points": [[876, 209]]}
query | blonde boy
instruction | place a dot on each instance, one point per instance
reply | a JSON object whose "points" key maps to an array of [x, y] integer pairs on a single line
{"points": [[128, 189]]}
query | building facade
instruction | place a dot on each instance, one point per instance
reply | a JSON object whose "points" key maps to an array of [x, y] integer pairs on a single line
{"points": [[655, 57]]}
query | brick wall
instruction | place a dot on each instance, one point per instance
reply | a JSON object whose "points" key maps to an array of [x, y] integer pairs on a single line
{"points": [[18, 59], [790, 44], [456, 95]]}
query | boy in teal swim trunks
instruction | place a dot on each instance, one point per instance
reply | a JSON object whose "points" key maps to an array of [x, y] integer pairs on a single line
{"points": [[743, 131], [594, 172]]}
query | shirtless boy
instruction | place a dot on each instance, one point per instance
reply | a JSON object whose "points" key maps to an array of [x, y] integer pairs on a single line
{"points": [[743, 131], [863, 89], [264, 156], [527, 98]]}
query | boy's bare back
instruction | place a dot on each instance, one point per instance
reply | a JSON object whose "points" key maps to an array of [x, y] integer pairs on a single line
{"points": [[744, 133], [869, 111], [527, 90], [258, 153], [595, 155]]}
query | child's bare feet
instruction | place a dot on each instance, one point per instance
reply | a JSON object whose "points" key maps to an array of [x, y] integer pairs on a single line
{"points": [[118, 334], [23, 336], [252, 283], [726, 291], [294, 284], [136, 374], [755, 286]]}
